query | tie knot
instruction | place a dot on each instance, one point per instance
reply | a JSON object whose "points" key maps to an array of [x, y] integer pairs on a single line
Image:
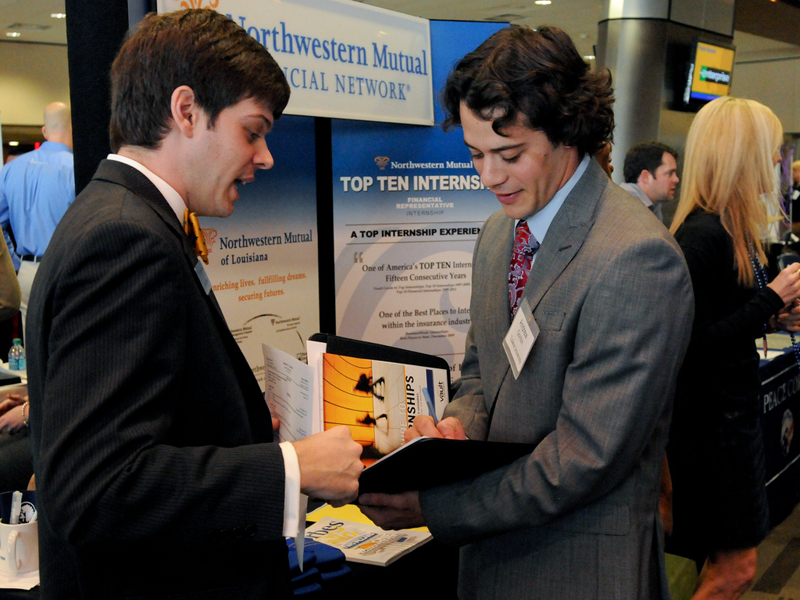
{"points": [[524, 240], [196, 237]]}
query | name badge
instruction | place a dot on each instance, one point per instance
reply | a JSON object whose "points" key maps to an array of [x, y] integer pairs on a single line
{"points": [[203, 277], [520, 337]]}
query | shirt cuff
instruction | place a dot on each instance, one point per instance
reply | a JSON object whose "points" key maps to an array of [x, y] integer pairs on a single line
{"points": [[291, 494]]}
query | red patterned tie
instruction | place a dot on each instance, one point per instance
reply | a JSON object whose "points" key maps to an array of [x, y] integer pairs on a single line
{"points": [[525, 246]]}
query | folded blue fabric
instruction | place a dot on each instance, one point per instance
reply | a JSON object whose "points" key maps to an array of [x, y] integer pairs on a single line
{"points": [[333, 575], [308, 558], [328, 558], [314, 588], [324, 563], [307, 577]]}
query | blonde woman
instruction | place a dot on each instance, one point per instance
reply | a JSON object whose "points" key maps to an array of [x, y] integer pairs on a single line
{"points": [[715, 450]]}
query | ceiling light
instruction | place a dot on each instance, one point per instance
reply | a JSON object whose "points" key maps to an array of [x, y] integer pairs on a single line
{"points": [[13, 143], [59, 15], [13, 33], [543, 2], [589, 57]]}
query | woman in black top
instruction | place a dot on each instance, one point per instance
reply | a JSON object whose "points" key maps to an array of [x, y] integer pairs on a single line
{"points": [[715, 449]]}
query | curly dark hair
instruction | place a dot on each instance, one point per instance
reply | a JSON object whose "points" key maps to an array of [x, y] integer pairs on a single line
{"points": [[540, 76], [200, 48]]}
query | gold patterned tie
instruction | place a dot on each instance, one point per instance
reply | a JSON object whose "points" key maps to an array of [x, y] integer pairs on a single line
{"points": [[196, 237]]}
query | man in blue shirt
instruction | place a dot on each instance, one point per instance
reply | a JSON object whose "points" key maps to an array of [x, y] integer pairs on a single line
{"points": [[35, 191]]}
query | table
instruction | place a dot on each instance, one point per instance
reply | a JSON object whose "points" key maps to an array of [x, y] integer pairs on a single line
{"points": [[779, 400]]}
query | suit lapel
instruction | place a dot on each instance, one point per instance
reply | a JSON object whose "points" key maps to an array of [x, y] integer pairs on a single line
{"points": [[498, 303], [136, 182], [564, 239], [126, 176], [566, 234], [122, 174]]}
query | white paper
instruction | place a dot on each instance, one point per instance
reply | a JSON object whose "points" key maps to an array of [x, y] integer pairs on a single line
{"points": [[520, 337], [300, 538], [288, 387]]}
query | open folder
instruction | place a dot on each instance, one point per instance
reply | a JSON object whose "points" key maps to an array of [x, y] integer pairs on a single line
{"points": [[392, 467], [427, 462], [377, 391], [349, 347]]}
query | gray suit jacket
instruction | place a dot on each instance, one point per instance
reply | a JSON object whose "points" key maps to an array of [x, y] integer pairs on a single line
{"points": [[150, 434], [578, 517]]}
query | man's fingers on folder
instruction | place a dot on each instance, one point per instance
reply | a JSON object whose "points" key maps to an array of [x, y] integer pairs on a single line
{"points": [[393, 511], [424, 425], [330, 465], [452, 429]]}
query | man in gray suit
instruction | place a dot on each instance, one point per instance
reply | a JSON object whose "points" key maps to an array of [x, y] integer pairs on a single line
{"points": [[651, 175], [156, 469], [610, 294]]}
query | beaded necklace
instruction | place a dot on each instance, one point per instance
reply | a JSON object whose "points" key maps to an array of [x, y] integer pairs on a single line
{"points": [[761, 280]]}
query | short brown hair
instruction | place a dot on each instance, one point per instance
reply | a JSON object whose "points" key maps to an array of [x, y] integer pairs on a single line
{"points": [[540, 76], [200, 48], [646, 156]]}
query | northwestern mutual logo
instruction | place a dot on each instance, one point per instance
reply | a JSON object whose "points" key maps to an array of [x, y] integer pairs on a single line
{"points": [[382, 161], [211, 237], [450, 164], [342, 60]]}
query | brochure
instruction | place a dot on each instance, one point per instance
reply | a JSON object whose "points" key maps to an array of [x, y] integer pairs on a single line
{"points": [[377, 391], [288, 391], [366, 544], [379, 400]]}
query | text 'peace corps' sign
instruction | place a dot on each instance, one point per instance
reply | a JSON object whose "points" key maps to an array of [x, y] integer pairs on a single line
{"points": [[342, 59]]}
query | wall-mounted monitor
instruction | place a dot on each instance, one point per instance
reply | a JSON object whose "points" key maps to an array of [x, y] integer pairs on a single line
{"points": [[708, 75]]}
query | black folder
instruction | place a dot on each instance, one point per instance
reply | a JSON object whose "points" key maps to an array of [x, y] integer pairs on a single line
{"points": [[427, 462]]}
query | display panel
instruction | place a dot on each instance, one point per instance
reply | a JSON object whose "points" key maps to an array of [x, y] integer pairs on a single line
{"points": [[709, 75]]}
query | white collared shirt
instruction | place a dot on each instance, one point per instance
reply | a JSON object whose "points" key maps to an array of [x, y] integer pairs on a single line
{"points": [[172, 197]]}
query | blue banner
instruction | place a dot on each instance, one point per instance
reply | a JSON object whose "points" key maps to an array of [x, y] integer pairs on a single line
{"points": [[408, 207], [263, 261]]}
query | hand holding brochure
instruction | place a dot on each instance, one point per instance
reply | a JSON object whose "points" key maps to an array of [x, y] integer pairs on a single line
{"points": [[379, 400], [377, 391]]}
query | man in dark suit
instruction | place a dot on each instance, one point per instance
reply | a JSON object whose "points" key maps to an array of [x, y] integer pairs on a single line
{"points": [[152, 443], [611, 299]]}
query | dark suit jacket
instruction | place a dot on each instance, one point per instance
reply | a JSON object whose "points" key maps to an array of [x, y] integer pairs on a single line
{"points": [[151, 437], [578, 517]]}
